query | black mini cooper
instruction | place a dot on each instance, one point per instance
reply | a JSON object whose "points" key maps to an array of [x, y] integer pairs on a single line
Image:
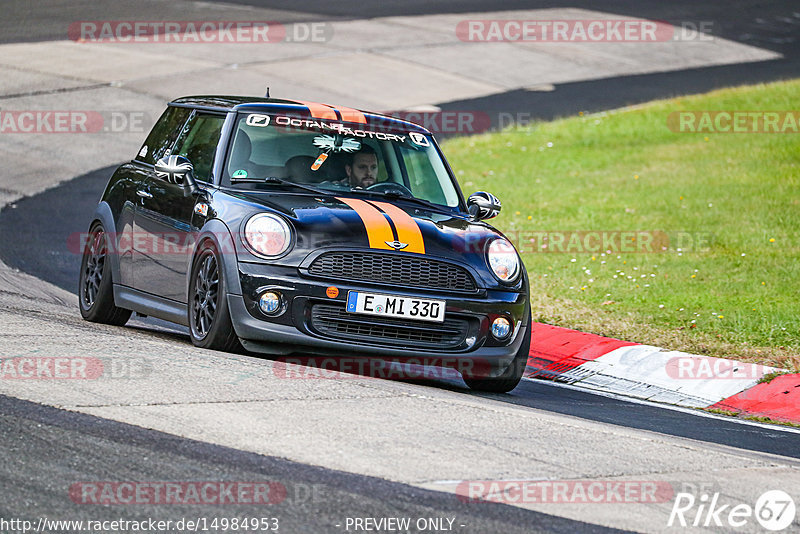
{"points": [[290, 227]]}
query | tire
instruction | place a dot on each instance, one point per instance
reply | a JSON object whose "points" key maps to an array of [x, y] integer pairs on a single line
{"points": [[509, 379], [210, 324], [95, 284]]}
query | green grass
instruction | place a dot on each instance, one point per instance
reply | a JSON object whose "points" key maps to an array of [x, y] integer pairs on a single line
{"points": [[769, 377], [760, 419], [756, 418], [733, 294], [717, 411]]}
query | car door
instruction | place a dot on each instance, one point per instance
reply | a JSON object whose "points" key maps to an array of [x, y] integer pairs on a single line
{"points": [[158, 143], [165, 222]]}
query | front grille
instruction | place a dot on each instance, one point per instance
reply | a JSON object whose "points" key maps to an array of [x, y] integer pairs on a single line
{"points": [[334, 321], [391, 269]]}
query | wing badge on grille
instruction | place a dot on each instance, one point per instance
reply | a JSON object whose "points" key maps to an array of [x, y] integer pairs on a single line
{"points": [[397, 245]]}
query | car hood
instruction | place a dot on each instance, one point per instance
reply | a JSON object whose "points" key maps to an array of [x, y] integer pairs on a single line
{"points": [[339, 221]]}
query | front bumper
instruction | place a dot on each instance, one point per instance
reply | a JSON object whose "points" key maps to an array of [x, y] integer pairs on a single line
{"points": [[295, 331]]}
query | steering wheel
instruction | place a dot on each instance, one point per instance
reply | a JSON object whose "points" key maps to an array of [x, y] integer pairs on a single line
{"points": [[391, 187]]}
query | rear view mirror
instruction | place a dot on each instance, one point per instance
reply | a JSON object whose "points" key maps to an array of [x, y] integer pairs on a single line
{"points": [[177, 170], [483, 205]]}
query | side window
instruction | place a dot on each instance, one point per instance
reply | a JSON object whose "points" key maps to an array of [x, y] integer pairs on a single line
{"points": [[163, 134], [198, 142], [420, 166]]}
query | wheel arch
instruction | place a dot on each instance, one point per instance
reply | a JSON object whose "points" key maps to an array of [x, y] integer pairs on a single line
{"points": [[220, 235], [104, 216]]}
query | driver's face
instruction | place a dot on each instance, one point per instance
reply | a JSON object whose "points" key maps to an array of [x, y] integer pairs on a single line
{"points": [[364, 170]]}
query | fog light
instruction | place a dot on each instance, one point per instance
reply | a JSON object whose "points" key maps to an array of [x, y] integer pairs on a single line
{"points": [[501, 328], [270, 302]]}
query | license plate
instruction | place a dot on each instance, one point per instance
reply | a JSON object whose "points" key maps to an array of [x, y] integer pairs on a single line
{"points": [[391, 306]]}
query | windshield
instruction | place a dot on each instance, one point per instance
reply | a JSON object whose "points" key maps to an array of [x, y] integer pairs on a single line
{"points": [[337, 157]]}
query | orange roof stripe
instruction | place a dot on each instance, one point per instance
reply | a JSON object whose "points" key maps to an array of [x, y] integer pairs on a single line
{"points": [[351, 115], [319, 111]]}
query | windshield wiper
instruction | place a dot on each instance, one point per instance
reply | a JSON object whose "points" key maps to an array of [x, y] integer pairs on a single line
{"points": [[274, 180], [393, 195], [390, 195]]}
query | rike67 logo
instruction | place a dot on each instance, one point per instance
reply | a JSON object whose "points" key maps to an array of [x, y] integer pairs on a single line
{"points": [[774, 511]]}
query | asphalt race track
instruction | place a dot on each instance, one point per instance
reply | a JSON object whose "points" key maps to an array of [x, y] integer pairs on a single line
{"points": [[314, 497], [339, 449], [28, 238]]}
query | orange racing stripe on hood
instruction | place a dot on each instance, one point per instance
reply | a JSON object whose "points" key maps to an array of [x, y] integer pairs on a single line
{"points": [[378, 229], [407, 228]]}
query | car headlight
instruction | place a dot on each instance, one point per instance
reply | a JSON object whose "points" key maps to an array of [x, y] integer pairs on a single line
{"points": [[503, 260], [267, 235]]}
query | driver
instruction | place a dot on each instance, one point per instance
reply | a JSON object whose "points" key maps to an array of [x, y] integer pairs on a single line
{"points": [[362, 171]]}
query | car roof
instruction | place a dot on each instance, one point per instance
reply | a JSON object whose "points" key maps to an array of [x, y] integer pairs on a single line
{"points": [[314, 110]]}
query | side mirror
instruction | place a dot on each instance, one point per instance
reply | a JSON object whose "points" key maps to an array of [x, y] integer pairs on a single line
{"points": [[177, 170], [483, 205]]}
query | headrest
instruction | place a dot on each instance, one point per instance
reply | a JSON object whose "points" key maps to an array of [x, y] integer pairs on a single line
{"points": [[298, 169]]}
